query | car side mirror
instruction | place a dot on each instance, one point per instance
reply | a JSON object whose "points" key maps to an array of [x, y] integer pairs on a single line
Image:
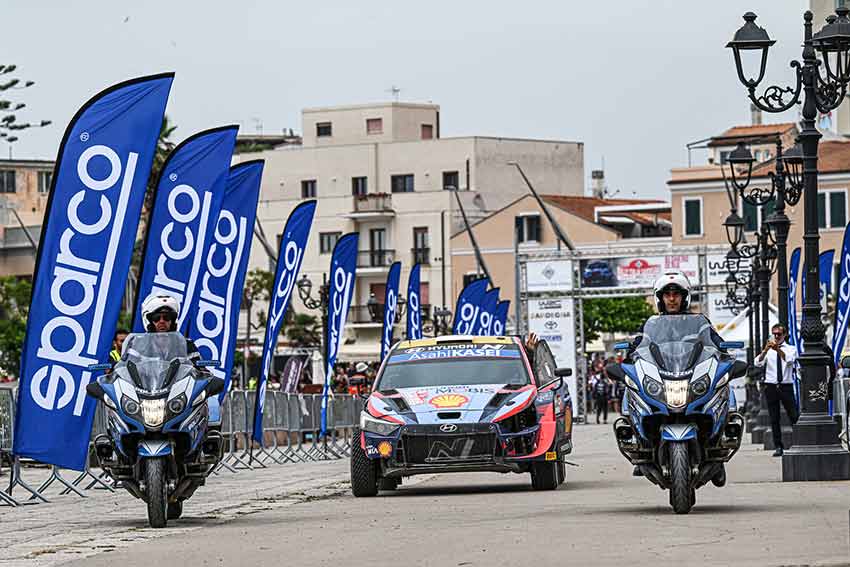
{"points": [[99, 367], [563, 372], [616, 372], [726, 345], [555, 384], [845, 362], [95, 390], [215, 386], [206, 363], [739, 369]]}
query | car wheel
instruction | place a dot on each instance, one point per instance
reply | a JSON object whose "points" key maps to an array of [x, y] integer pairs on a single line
{"points": [[544, 475], [364, 471], [562, 471]]}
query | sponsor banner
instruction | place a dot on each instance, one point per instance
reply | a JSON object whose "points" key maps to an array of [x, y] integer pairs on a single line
{"points": [[554, 275], [291, 375], [216, 307], [721, 311], [635, 271], [842, 300], [468, 307], [553, 320], [292, 244], [82, 263], [716, 271], [455, 351], [793, 327], [414, 305], [501, 317], [343, 268], [390, 307], [488, 311], [188, 199], [825, 275]]}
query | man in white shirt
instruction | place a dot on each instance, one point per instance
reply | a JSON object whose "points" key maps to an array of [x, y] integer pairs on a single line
{"points": [[778, 358]]}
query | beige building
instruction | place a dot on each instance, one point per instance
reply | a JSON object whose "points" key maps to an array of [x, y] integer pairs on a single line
{"points": [[522, 227], [24, 188], [383, 171]]}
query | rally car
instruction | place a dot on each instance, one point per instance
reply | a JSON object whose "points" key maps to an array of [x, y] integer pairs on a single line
{"points": [[462, 403]]}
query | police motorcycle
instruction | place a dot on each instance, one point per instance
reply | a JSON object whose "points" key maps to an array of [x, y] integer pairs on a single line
{"points": [[158, 443], [682, 425]]}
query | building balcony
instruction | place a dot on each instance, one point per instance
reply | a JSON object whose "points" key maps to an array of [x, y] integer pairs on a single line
{"points": [[371, 206], [374, 261], [421, 255], [372, 317]]}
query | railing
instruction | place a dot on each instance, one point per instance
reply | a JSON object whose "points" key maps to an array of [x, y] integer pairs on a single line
{"points": [[375, 258], [362, 314], [373, 203], [421, 255]]}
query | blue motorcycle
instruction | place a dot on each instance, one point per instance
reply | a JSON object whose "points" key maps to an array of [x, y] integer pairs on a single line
{"points": [[682, 425], [158, 445]]}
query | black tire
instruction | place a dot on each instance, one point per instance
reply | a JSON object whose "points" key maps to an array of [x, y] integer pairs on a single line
{"points": [[682, 494], [544, 475], [562, 471], [388, 483], [364, 471], [156, 490], [175, 510]]}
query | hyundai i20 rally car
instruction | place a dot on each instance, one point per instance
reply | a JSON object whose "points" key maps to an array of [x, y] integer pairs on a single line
{"points": [[461, 403]]}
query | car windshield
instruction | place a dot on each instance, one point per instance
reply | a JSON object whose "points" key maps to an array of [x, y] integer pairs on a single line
{"points": [[676, 343], [147, 357], [449, 365]]}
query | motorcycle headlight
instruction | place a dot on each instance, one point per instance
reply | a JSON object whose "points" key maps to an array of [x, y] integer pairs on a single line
{"points": [[153, 412], [376, 426], [653, 388], [177, 405], [130, 407], [700, 387], [723, 381], [201, 397], [676, 393]]}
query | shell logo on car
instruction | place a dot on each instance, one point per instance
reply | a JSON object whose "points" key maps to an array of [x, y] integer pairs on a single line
{"points": [[449, 401]]}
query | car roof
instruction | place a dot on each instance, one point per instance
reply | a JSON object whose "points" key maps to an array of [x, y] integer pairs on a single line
{"points": [[456, 339]]}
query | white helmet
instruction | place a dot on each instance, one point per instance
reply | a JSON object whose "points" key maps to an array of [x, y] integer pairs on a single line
{"points": [[673, 279], [157, 303]]}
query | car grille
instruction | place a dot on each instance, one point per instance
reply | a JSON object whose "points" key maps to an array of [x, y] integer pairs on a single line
{"points": [[426, 444]]}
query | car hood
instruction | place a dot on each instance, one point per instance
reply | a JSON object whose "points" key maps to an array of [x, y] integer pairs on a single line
{"points": [[461, 403]]}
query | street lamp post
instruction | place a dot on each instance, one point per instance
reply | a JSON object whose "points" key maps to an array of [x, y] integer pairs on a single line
{"points": [[305, 287], [816, 453]]}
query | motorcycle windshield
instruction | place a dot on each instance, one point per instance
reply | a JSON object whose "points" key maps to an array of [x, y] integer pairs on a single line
{"points": [[148, 356], [676, 343]]}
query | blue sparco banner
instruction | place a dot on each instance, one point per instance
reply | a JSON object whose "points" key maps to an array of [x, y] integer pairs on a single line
{"points": [[414, 305], [825, 262], [793, 272], [390, 307], [343, 269], [222, 278], [82, 264], [488, 312], [188, 198], [842, 301], [292, 244], [500, 319], [468, 307]]}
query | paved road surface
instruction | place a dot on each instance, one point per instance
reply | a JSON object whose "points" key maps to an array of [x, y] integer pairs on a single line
{"points": [[601, 516]]}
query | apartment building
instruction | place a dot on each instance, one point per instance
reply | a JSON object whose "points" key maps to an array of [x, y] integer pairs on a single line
{"points": [[385, 172], [24, 189]]}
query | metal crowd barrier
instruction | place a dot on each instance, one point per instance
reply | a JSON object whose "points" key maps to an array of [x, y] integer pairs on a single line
{"points": [[292, 434]]}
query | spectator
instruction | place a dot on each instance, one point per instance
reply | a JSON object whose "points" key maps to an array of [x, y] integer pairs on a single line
{"points": [[601, 392]]}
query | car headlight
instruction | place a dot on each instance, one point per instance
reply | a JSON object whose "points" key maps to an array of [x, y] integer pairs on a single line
{"points": [[376, 426], [153, 412], [177, 405], [653, 388], [699, 387], [130, 407]]}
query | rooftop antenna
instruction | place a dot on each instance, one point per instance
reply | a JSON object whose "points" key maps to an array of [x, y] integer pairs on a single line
{"points": [[395, 91]]}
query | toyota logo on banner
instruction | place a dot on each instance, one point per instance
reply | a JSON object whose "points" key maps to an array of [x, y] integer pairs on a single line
{"points": [[448, 428]]}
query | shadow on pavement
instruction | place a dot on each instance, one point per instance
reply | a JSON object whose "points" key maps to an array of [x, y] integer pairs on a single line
{"points": [[697, 510]]}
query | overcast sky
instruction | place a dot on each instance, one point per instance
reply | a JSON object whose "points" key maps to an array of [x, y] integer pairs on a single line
{"points": [[635, 80]]}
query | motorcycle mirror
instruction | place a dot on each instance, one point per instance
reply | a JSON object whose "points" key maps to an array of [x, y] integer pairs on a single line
{"points": [[563, 372], [215, 386], [205, 363], [95, 390], [99, 367], [621, 346], [739, 369], [726, 345], [616, 372], [845, 362]]}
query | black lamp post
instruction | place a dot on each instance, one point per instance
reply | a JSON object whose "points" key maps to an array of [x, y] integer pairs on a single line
{"points": [[816, 453], [305, 287]]}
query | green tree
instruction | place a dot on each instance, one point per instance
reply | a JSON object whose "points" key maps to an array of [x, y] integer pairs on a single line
{"points": [[14, 306], [304, 330], [614, 315], [9, 108]]}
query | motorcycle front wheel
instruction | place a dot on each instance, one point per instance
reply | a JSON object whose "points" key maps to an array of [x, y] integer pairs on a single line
{"points": [[682, 495], [156, 489]]}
